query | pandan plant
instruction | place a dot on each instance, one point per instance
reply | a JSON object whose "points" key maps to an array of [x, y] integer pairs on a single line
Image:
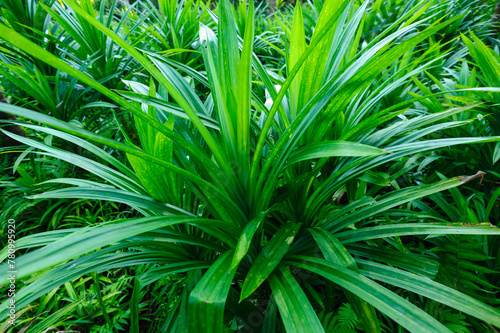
{"points": [[264, 208]]}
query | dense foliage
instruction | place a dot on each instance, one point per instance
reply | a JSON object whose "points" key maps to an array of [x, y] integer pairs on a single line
{"points": [[181, 166]]}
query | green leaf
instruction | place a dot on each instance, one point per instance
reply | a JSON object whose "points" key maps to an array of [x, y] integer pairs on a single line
{"points": [[297, 48], [100, 261], [335, 252], [398, 309], [246, 238], [54, 318], [208, 298], [295, 309], [206, 188], [336, 223], [134, 306], [171, 108], [269, 258], [415, 263], [170, 79], [244, 89], [430, 289], [333, 148], [141, 202], [485, 59], [88, 239], [319, 36], [496, 153], [414, 229]]}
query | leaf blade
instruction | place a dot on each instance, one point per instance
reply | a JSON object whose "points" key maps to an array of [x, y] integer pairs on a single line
{"points": [[269, 258]]}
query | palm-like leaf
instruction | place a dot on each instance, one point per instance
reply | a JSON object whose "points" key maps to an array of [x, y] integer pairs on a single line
{"points": [[251, 199]]}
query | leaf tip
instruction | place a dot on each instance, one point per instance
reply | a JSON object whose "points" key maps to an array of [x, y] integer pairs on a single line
{"points": [[465, 179]]}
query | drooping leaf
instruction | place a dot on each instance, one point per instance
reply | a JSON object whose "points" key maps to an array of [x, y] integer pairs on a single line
{"points": [[394, 306], [431, 289], [335, 252], [331, 149], [269, 258], [296, 311], [208, 298]]}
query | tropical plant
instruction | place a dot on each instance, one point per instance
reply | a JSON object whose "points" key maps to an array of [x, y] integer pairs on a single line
{"points": [[258, 206]]}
